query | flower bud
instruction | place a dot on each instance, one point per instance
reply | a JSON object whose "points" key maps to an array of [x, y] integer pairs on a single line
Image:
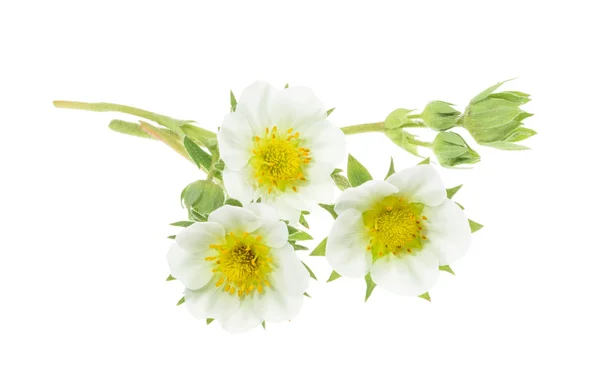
{"points": [[440, 115], [203, 197], [452, 150], [495, 119]]}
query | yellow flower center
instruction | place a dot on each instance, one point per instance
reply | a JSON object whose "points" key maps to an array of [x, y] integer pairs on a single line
{"points": [[241, 264], [279, 160], [396, 226]]}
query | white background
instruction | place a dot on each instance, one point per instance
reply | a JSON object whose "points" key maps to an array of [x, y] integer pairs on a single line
{"points": [[84, 211]]}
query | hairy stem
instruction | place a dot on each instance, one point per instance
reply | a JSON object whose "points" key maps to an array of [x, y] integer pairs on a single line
{"points": [[362, 128]]}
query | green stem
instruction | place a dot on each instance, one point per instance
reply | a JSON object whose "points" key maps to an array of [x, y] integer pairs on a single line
{"points": [[362, 128], [165, 121], [421, 143]]}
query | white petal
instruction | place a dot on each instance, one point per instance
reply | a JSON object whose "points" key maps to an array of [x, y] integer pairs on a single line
{"points": [[199, 236], [290, 276], [273, 231], [239, 184], [274, 306], [408, 275], [365, 196], [211, 302], [329, 145], [284, 210], [235, 219], [319, 192], [253, 104], [189, 268], [347, 245], [235, 141], [244, 319], [448, 231], [420, 183], [296, 107]]}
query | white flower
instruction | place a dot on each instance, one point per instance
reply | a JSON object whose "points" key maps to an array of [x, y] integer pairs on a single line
{"points": [[400, 230], [279, 146], [239, 268]]}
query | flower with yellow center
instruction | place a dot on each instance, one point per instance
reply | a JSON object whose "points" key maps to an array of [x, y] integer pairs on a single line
{"points": [[278, 146], [400, 230], [239, 268]]}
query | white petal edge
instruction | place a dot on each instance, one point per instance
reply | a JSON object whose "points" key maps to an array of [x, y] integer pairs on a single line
{"points": [[297, 107], [242, 320], [329, 145], [189, 268], [407, 275], [254, 103], [235, 219], [448, 231], [365, 196], [211, 302], [290, 277], [235, 141], [239, 184], [275, 306], [347, 243], [420, 183], [199, 236], [273, 231]]}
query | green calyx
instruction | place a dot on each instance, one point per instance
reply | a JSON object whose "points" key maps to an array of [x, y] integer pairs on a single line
{"points": [[440, 115], [452, 150]]}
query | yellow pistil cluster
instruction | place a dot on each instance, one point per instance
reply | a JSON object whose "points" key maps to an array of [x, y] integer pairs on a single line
{"points": [[242, 264], [395, 226], [279, 160]]}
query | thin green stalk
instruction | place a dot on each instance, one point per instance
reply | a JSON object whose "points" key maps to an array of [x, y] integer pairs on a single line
{"points": [[362, 128], [421, 143]]}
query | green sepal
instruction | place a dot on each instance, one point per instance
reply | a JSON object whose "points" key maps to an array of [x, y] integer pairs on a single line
{"points": [[341, 181], [440, 115], [202, 158], [391, 169], [425, 296], [264, 325], [426, 161], [475, 226], [287, 85], [181, 301], [209, 321], [307, 295], [172, 237], [518, 98], [334, 276], [357, 173], [170, 278], [452, 191], [452, 150], [203, 196], [397, 119], [299, 247], [303, 221], [505, 146], [370, 286], [329, 208], [312, 274], [172, 140], [403, 139], [300, 236], [233, 202], [232, 101], [183, 224], [319, 251], [519, 134], [134, 129], [483, 95], [460, 205], [447, 269], [330, 111]]}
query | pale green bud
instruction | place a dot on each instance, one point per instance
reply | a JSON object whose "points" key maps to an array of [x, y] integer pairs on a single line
{"points": [[452, 150], [440, 115], [495, 119], [203, 197]]}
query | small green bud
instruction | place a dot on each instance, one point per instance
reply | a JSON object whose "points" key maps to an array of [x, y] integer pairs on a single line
{"points": [[495, 119], [397, 119], [203, 197], [452, 150], [439, 115]]}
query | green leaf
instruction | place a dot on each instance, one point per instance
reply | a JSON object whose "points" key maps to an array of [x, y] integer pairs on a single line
{"points": [[172, 237], [452, 191], [307, 295], [370, 286], [300, 236], [181, 301], [474, 226], [183, 224], [483, 95], [169, 278], [341, 182], [299, 247], [357, 173], [202, 158], [425, 296], [233, 202], [209, 320], [312, 275], [319, 251], [334, 275], [391, 170], [336, 171], [232, 100], [204, 197], [264, 325], [329, 208], [303, 221], [330, 111], [447, 269]]}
